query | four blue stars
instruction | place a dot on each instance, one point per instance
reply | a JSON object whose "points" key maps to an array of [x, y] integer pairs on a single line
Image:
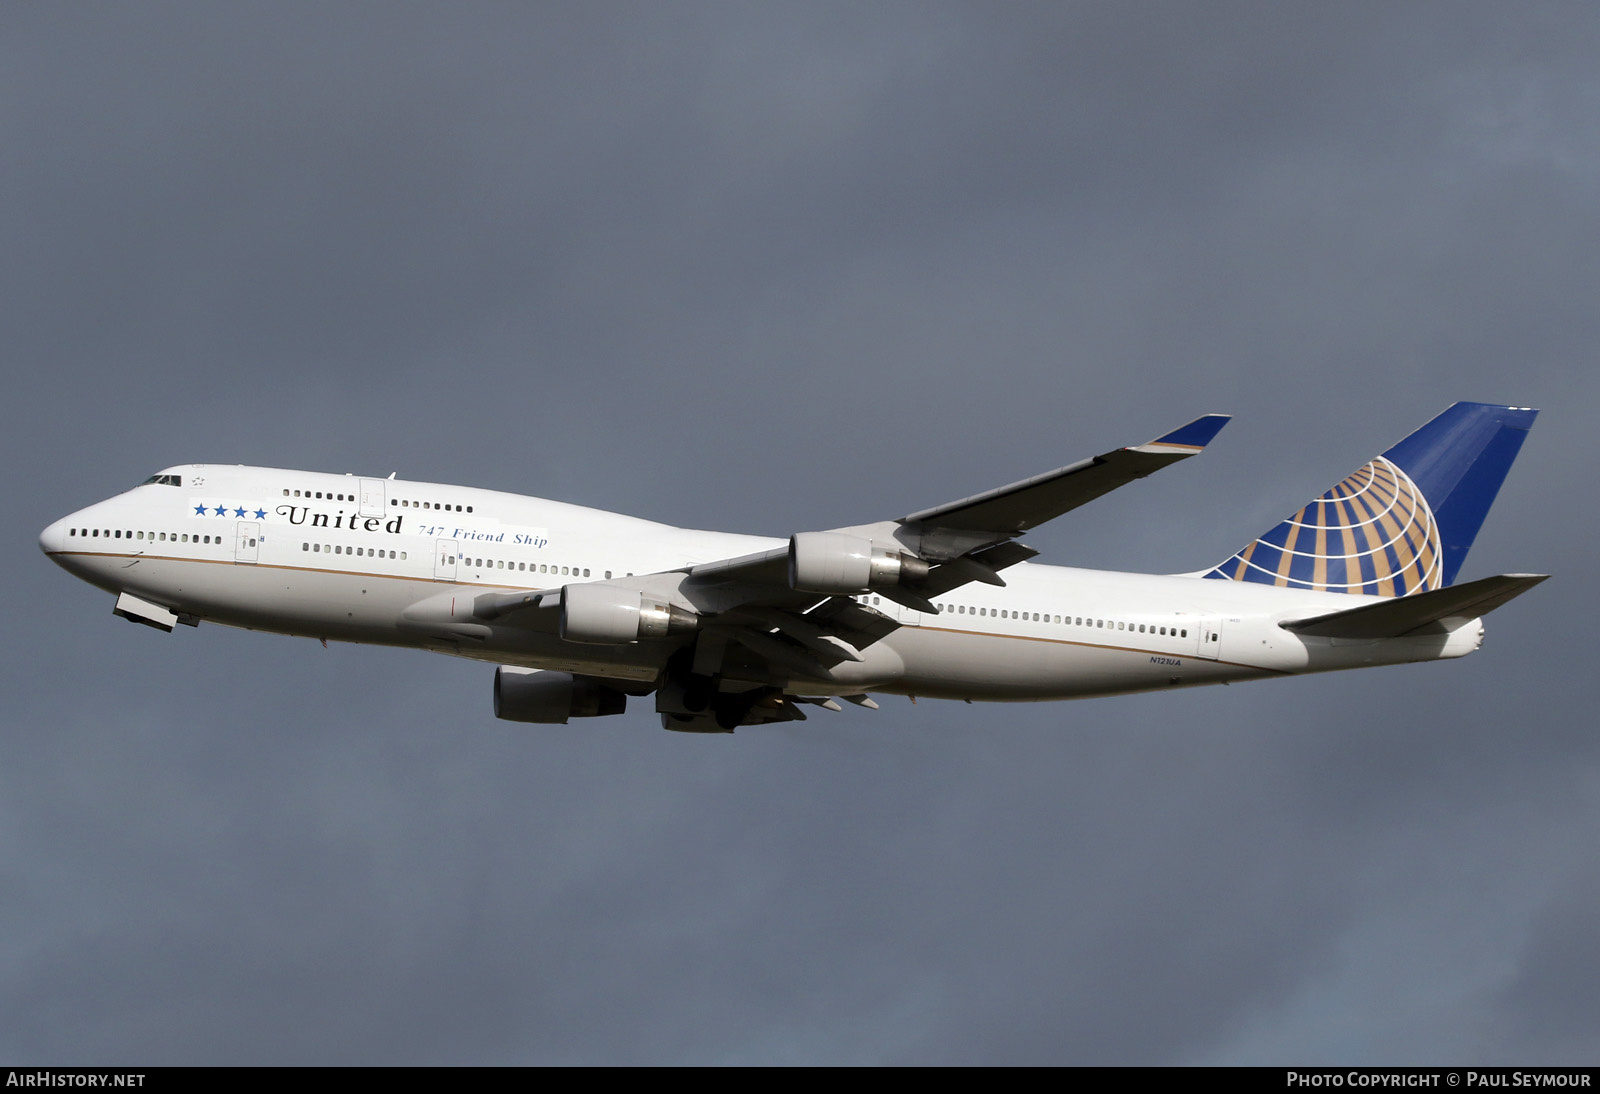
{"points": [[223, 510]]}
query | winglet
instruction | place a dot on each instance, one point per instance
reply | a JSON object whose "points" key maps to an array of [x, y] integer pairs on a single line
{"points": [[1189, 438]]}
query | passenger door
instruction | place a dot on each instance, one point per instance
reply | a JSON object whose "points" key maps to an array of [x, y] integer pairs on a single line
{"points": [[374, 497], [248, 544], [444, 560]]}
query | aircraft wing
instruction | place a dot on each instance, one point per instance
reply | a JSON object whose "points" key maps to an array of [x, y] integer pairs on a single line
{"points": [[970, 539], [1011, 510], [799, 609]]}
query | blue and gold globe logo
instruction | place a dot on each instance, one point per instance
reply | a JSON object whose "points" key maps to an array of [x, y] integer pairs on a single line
{"points": [[1372, 533]]}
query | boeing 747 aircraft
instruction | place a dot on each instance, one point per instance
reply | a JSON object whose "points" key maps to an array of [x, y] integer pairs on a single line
{"points": [[581, 609]]}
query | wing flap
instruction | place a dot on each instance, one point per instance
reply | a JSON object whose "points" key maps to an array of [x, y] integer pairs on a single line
{"points": [[858, 624], [984, 565]]}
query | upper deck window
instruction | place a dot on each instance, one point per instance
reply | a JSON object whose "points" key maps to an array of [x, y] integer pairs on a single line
{"points": [[163, 480]]}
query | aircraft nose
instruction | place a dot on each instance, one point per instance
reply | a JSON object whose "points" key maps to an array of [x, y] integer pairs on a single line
{"points": [[53, 540]]}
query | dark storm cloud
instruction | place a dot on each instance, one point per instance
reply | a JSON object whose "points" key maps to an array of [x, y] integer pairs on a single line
{"points": [[775, 268]]}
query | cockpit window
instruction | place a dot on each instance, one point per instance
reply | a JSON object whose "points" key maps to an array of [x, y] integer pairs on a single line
{"points": [[163, 480]]}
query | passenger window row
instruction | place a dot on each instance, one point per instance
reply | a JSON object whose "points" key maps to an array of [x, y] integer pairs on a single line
{"points": [[530, 567], [1165, 629], [404, 503], [164, 537], [325, 496], [407, 503], [341, 549]]}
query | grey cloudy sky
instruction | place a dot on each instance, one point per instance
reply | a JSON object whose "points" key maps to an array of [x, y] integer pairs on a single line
{"points": [[769, 267]]}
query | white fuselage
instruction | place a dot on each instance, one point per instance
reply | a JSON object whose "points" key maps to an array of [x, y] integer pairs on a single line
{"points": [[399, 563]]}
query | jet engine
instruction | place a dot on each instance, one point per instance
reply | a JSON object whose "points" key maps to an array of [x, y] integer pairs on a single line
{"points": [[839, 564], [550, 698], [607, 614]]}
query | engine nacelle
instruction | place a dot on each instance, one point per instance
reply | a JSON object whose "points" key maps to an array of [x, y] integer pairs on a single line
{"points": [[606, 614], [839, 564], [550, 698]]}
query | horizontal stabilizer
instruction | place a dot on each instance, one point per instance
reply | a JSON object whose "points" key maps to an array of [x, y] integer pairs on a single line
{"points": [[1396, 616]]}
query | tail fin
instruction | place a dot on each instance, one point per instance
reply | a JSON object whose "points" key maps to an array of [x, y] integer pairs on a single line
{"points": [[1404, 522]]}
